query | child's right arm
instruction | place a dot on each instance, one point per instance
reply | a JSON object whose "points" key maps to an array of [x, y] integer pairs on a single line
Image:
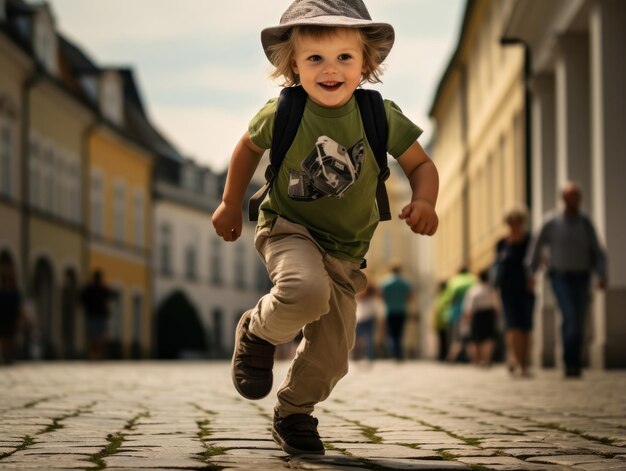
{"points": [[227, 219]]}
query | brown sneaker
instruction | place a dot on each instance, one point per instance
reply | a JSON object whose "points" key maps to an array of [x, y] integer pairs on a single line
{"points": [[297, 434], [253, 360]]}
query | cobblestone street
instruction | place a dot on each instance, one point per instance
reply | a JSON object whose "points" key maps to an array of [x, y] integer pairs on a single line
{"points": [[414, 415]]}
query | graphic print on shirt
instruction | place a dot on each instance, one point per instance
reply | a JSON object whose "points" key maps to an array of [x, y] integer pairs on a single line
{"points": [[329, 170]]}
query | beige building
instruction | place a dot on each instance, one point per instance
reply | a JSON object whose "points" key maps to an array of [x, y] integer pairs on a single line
{"points": [[202, 284], [532, 97], [577, 77], [53, 125], [479, 148], [16, 66]]}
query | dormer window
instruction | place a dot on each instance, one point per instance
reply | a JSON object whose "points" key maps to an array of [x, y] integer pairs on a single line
{"points": [[189, 177], [45, 40], [111, 96]]}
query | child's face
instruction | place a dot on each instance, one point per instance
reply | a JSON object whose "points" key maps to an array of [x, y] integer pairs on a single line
{"points": [[329, 67]]}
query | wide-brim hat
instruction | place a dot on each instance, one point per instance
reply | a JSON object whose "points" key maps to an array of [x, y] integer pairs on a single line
{"points": [[337, 13]]}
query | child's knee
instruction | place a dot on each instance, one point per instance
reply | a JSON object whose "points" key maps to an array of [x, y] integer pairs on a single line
{"points": [[310, 294]]}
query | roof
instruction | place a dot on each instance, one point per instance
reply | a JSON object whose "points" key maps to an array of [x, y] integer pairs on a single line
{"points": [[74, 64], [456, 56]]}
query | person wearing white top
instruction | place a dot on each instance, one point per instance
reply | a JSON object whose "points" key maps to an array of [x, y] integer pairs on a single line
{"points": [[368, 309], [480, 311]]}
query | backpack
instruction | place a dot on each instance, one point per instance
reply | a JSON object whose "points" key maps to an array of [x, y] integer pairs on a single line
{"points": [[289, 111]]}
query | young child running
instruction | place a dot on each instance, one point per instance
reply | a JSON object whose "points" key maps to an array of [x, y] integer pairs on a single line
{"points": [[311, 238]]}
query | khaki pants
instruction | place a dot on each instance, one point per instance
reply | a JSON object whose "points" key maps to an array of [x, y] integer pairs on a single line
{"points": [[312, 290]]}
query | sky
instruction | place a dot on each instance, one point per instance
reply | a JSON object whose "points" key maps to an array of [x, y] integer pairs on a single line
{"points": [[202, 72]]}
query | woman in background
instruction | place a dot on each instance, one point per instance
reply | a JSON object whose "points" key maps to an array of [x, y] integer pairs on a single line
{"points": [[518, 300]]}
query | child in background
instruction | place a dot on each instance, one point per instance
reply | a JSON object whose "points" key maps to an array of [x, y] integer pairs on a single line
{"points": [[480, 313], [368, 310]]}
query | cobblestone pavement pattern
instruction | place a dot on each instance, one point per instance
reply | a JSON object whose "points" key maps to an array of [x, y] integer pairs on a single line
{"points": [[413, 415]]}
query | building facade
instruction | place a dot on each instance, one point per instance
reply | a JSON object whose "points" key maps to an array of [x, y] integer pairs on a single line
{"points": [[202, 283], [53, 128], [120, 236], [577, 76], [479, 144], [81, 165], [16, 65]]}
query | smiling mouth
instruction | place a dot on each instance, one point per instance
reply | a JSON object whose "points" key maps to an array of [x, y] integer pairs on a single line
{"points": [[331, 86]]}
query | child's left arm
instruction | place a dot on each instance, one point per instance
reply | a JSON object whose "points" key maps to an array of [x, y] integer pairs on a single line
{"points": [[420, 213]]}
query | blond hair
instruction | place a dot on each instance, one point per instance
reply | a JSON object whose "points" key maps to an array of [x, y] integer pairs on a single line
{"points": [[516, 212], [375, 44]]}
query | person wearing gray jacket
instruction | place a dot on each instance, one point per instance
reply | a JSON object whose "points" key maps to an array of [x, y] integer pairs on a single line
{"points": [[574, 253]]}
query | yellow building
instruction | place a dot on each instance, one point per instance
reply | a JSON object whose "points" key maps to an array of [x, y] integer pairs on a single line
{"points": [[479, 145], [121, 150], [120, 235]]}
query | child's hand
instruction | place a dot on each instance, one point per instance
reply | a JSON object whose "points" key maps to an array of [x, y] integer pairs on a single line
{"points": [[421, 217], [227, 221]]}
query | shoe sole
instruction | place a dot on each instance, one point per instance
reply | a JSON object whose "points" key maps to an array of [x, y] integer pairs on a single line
{"points": [[238, 334], [291, 450]]}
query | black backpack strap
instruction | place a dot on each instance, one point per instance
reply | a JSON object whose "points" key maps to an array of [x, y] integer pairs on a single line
{"points": [[374, 118], [289, 111]]}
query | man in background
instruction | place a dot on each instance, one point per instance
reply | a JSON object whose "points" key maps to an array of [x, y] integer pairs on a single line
{"points": [[574, 252]]}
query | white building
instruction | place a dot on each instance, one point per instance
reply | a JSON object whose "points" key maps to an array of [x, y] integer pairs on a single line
{"points": [[197, 274]]}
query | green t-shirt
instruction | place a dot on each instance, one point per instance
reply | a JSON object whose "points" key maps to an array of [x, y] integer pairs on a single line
{"points": [[327, 181]]}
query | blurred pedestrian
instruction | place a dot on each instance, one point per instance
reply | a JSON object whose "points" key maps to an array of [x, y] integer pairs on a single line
{"points": [[95, 299], [574, 252], [440, 321], [397, 292], [455, 294], [10, 312], [480, 311], [368, 308], [518, 300]]}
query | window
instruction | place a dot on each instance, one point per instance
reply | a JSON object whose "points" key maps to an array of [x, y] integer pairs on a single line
{"points": [[190, 177], [218, 326], [111, 103], [191, 265], [139, 218], [519, 157], [59, 174], [45, 41], [503, 174], [165, 249], [74, 191], [6, 158], [34, 167], [493, 191], [97, 197], [115, 319], [137, 318], [48, 179], [216, 262], [119, 211]]}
